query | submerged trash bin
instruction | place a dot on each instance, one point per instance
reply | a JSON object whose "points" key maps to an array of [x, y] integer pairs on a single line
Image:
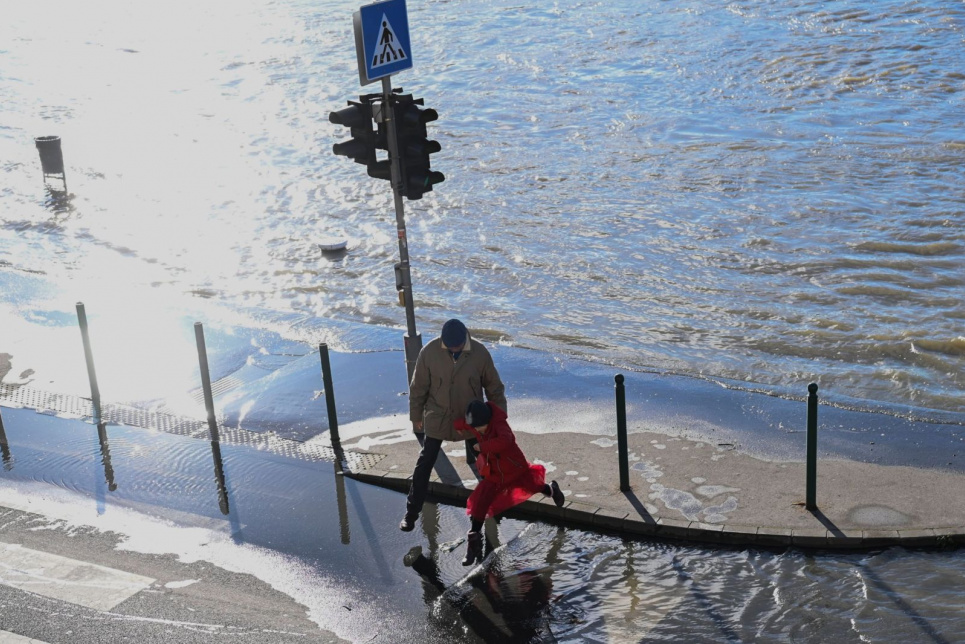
{"points": [[51, 156]]}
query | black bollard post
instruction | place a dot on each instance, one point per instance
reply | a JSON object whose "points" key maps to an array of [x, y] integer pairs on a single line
{"points": [[336, 444], [95, 392], [329, 391], [622, 433], [4, 446], [206, 381], [812, 448]]}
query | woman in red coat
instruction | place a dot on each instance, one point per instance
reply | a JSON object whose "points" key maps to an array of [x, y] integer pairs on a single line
{"points": [[508, 478]]}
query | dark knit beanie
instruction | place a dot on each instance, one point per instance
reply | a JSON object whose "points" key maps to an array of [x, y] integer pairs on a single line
{"points": [[478, 413], [453, 334]]}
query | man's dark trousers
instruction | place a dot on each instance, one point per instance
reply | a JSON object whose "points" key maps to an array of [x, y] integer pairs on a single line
{"points": [[420, 477], [423, 471]]}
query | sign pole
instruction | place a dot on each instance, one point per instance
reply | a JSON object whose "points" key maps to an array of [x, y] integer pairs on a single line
{"points": [[412, 340]]}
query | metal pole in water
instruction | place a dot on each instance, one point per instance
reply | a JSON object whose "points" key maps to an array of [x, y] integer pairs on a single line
{"points": [[622, 433], [206, 381], [812, 448], [95, 392], [329, 391], [336, 444]]}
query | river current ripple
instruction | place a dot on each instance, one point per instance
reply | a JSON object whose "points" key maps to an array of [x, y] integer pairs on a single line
{"points": [[766, 194]]}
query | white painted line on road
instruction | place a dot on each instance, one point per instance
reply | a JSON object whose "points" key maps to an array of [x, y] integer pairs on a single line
{"points": [[6, 637], [70, 580]]}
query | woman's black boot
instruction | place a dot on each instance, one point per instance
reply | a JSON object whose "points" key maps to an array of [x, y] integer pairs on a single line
{"points": [[557, 494], [474, 549]]}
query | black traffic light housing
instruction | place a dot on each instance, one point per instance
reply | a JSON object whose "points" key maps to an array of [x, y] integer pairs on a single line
{"points": [[415, 146], [365, 138], [361, 147]]}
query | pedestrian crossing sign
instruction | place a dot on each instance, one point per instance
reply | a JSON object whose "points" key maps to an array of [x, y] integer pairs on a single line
{"points": [[382, 40]]}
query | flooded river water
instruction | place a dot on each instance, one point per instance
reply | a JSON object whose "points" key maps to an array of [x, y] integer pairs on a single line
{"points": [[765, 194]]}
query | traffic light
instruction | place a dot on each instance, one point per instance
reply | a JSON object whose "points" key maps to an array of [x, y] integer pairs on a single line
{"points": [[415, 146], [361, 147]]}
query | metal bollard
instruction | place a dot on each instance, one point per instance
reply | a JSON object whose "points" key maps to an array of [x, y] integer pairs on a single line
{"points": [[622, 433], [206, 381], [812, 448], [4, 447], [329, 391], [95, 392]]}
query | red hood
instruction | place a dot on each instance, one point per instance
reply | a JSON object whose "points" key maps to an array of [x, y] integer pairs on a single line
{"points": [[498, 413]]}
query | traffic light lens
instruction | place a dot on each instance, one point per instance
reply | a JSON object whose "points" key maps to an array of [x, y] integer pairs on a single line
{"points": [[351, 149]]}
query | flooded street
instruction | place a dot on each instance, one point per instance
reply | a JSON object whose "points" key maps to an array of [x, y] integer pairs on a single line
{"points": [[332, 544]]}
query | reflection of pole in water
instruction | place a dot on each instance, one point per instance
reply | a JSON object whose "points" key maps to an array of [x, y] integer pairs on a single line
{"points": [[340, 492], [106, 456], [5, 448], [342, 508], [219, 477], [630, 574], [556, 545]]}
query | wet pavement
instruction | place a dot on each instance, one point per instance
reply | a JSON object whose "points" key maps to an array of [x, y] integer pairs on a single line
{"points": [[725, 467], [89, 588], [119, 533]]}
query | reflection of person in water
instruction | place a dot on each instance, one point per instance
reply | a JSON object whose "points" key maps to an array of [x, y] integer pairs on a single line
{"points": [[517, 600], [507, 607]]}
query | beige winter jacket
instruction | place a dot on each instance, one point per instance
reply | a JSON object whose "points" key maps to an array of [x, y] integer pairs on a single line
{"points": [[441, 388]]}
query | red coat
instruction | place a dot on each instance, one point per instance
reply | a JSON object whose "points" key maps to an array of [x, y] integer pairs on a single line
{"points": [[498, 446]]}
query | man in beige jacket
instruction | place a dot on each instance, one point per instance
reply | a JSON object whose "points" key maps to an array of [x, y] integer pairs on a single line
{"points": [[451, 371]]}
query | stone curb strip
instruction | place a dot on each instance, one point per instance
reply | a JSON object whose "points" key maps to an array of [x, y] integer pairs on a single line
{"points": [[590, 517]]}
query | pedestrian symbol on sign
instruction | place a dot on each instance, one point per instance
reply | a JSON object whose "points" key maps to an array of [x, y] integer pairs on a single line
{"points": [[388, 49]]}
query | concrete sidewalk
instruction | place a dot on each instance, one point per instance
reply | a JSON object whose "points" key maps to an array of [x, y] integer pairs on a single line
{"points": [[710, 493]]}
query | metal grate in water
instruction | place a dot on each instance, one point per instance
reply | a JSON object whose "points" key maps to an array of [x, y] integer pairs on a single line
{"points": [[78, 407]]}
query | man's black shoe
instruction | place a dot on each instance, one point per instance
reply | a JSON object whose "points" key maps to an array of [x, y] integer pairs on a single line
{"points": [[408, 522], [557, 494]]}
